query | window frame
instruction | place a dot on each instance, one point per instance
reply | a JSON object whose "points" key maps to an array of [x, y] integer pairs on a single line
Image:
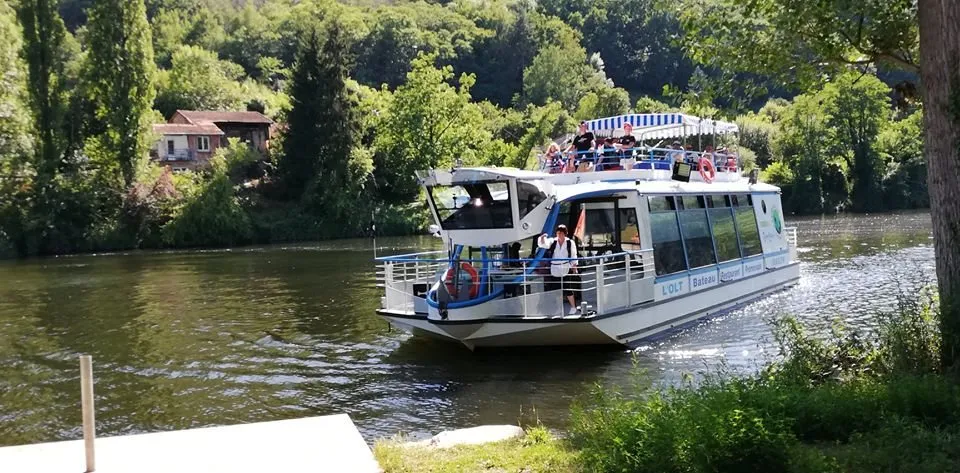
{"points": [[441, 219], [203, 144]]}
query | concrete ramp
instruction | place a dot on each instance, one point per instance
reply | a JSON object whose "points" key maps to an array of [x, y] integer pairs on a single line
{"points": [[316, 445]]}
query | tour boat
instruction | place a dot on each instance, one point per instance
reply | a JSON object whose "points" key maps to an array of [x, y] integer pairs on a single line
{"points": [[662, 242]]}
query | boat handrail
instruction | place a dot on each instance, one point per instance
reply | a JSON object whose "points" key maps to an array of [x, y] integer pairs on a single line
{"points": [[412, 256], [408, 259], [642, 154]]}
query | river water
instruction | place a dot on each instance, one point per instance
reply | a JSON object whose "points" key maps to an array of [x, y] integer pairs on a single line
{"points": [[198, 338]]}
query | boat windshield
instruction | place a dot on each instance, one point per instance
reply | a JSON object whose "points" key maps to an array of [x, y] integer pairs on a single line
{"points": [[473, 206]]}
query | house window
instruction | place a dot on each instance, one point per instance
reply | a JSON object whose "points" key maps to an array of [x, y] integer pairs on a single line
{"points": [[203, 143], [170, 147]]}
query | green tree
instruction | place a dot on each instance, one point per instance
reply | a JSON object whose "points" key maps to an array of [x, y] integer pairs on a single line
{"points": [[430, 123], [773, 38], [15, 137], [603, 102], [637, 40], [650, 105], [44, 45], [808, 145], [199, 81], [120, 80], [900, 145], [858, 106], [176, 27], [322, 126], [556, 74]]}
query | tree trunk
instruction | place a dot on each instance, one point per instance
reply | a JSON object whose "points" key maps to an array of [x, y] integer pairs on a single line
{"points": [[940, 75]]}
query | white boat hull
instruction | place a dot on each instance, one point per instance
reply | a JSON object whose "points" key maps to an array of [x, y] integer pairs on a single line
{"points": [[629, 326]]}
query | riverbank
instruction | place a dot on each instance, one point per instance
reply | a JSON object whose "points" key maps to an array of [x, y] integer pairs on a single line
{"points": [[537, 451], [842, 402]]}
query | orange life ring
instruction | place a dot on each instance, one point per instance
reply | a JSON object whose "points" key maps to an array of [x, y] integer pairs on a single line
{"points": [[474, 279], [706, 164]]}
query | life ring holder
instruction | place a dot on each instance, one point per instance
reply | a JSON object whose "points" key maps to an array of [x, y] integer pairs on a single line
{"points": [[474, 278], [707, 171]]}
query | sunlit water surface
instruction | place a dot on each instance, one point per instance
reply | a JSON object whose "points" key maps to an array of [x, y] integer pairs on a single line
{"points": [[201, 338]]}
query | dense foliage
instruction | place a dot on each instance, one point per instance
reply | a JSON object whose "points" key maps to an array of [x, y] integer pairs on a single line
{"points": [[852, 402], [408, 85]]}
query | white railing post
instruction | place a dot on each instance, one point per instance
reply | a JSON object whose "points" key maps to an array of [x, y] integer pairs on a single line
{"points": [[629, 259], [86, 408], [599, 283], [523, 289]]}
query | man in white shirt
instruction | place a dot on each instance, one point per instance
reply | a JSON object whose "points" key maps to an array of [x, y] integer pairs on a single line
{"points": [[560, 247]]}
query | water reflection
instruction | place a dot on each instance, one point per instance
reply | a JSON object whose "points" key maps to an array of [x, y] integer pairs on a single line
{"points": [[196, 338]]}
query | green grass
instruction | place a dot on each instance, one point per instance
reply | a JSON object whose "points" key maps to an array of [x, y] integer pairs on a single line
{"points": [[537, 452], [844, 404]]}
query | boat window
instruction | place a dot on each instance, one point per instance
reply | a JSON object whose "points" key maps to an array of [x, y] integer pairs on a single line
{"points": [[696, 236], [659, 203], [667, 247], [629, 230], [693, 202], [599, 230], [479, 205], [748, 231], [716, 201], [529, 197], [724, 234], [742, 200]]}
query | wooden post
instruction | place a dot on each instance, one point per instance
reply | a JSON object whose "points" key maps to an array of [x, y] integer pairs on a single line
{"points": [[86, 402]]}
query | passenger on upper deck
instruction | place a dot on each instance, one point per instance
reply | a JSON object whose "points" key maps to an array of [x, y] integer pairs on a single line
{"points": [[709, 155], [583, 143], [553, 159], [678, 155], [627, 141]]}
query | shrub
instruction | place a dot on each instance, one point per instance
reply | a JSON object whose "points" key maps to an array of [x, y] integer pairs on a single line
{"points": [[212, 216]]}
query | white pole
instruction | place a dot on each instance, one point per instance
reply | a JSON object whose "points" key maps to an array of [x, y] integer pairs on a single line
{"points": [[86, 402]]}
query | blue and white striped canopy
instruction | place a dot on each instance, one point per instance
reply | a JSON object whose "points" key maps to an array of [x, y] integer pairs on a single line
{"points": [[661, 125]]}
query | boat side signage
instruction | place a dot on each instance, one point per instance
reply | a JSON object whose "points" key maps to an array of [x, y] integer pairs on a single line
{"points": [[776, 260], [703, 279], [752, 266], [731, 272], [672, 287]]}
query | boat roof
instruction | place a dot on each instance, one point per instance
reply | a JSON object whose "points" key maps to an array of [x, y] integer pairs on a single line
{"points": [[661, 125], [570, 185]]}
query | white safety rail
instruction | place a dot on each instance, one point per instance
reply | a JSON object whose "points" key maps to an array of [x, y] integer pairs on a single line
{"points": [[792, 242], [727, 166], [398, 275], [604, 283]]}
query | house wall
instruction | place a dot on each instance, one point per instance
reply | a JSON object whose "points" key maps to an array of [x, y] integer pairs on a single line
{"points": [[180, 143]]}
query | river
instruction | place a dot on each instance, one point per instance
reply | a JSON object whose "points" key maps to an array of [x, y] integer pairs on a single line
{"points": [[188, 339]]}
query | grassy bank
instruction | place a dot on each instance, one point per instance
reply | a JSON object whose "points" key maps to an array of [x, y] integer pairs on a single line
{"points": [[846, 402], [538, 451]]}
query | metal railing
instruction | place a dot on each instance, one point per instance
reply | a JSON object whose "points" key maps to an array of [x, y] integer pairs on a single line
{"points": [[621, 159], [178, 155], [604, 282], [792, 241]]}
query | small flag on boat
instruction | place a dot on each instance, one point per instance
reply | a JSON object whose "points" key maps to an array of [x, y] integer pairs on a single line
{"points": [[580, 230]]}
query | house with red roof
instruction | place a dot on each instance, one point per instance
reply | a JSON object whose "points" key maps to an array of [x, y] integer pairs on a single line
{"points": [[189, 138]]}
